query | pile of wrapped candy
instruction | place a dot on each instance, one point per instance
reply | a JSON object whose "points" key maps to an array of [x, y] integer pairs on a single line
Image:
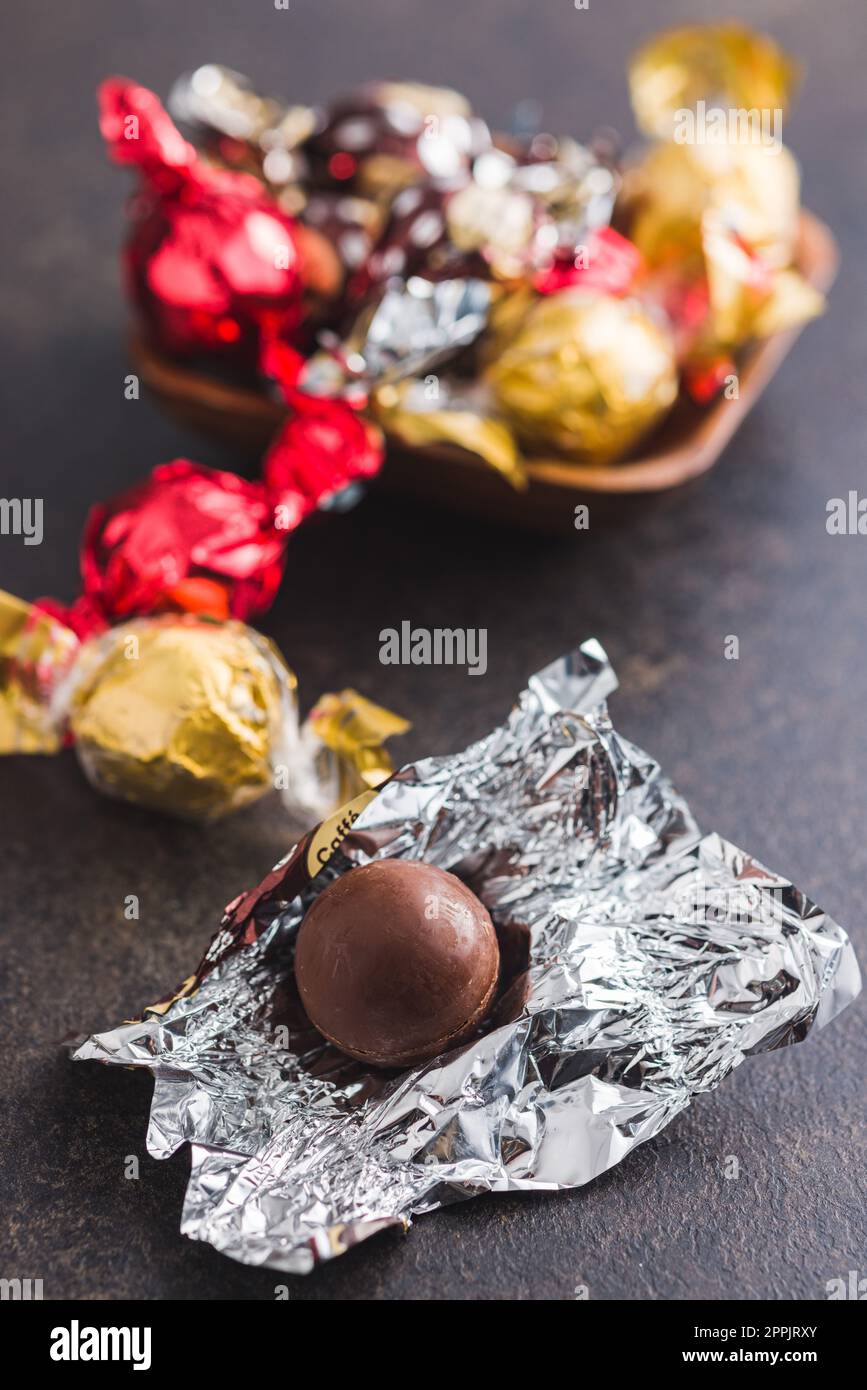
{"points": [[170, 699], [519, 296], [384, 266]]}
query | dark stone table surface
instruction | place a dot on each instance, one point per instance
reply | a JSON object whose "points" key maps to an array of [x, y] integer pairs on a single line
{"points": [[769, 749]]}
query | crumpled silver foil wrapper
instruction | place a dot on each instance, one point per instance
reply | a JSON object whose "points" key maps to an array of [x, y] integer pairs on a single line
{"points": [[416, 325], [214, 100], [658, 960], [215, 104]]}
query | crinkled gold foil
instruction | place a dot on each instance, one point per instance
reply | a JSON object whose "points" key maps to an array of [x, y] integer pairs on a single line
{"points": [[404, 412], [35, 653], [754, 187], [509, 309], [585, 375], [182, 715], [792, 300], [352, 731], [748, 297], [728, 65]]}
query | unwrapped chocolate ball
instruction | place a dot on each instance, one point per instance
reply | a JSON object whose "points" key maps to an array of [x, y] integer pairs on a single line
{"points": [[396, 962], [585, 375]]}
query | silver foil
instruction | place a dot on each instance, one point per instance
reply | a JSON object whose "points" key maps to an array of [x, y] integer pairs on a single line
{"points": [[420, 323], [659, 958], [416, 325], [215, 103]]}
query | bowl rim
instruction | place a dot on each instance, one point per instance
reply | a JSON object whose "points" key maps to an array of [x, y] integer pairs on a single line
{"points": [[817, 258]]}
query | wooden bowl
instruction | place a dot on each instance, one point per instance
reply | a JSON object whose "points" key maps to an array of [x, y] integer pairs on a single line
{"points": [[686, 444]]}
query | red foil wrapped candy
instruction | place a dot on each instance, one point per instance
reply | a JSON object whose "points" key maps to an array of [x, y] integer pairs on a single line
{"points": [[146, 549], [169, 699], [324, 446], [199, 540], [213, 263], [607, 264], [188, 538]]}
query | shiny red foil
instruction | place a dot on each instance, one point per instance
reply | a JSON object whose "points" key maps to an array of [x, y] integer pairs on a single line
{"points": [[188, 538], [198, 540], [323, 447], [704, 380], [212, 263], [609, 265]]}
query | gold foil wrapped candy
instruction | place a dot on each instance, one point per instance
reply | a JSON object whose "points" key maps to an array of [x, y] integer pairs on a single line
{"points": [[721, 64], [719, 198], [754, 187], [585, 375], [34, 650], [187, 715], [748, 297], [183, 715]]}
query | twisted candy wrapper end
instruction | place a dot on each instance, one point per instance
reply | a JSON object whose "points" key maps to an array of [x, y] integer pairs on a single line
{"points": [[351, 732], [36, 651], [657, 960]]}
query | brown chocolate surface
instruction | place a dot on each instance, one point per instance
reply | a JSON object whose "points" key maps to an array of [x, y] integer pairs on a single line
{"points": [[396, 961]]}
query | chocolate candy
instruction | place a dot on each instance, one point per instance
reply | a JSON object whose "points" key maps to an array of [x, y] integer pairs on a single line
{"points": [[182, 715], [185, 715], [585, 375], [241, 129], [724, 63], [387, 135], [213, 263], [396, 962]]}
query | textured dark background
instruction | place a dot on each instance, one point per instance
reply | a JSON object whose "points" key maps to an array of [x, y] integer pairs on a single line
{"points": [[770, 750]]}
